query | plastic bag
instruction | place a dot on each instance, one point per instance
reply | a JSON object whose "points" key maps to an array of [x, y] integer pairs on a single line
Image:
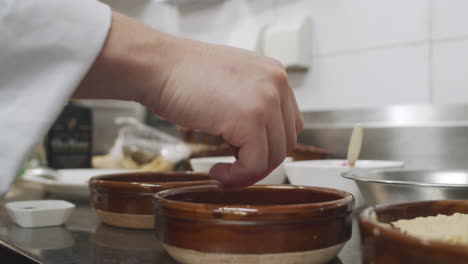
{"points": [[139, 146]]}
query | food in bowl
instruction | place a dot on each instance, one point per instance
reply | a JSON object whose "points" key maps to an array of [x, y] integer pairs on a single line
{"points": [[260, 224], [447, 228], [128, 162], [125, 200], [384, 244]]}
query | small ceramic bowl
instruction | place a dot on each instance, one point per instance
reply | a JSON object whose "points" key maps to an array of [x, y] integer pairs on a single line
{"points": [[124, 200], [382, 244], [260, 224], [40, 213]]}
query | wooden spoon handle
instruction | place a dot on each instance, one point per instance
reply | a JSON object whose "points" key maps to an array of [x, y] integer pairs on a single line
{"points": [[355, 144]]}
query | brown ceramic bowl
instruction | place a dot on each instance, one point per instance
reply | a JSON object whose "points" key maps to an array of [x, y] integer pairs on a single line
{"points": [[260, 224], [306, 152], [124, 200], [382, 244]]}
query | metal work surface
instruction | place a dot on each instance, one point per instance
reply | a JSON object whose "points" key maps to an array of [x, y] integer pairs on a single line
{"points": [[423, 136], [84, 240]]}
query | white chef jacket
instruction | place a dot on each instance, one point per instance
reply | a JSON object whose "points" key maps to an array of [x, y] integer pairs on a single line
{"points": [[46, 47]]}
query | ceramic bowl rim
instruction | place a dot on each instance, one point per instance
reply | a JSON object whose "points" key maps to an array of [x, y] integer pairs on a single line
{"points": [[107, 182], [346, 200], [366, 217]]}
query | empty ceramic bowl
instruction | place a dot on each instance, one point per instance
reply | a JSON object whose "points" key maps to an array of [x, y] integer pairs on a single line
{"points": [[327, 173], [124, 200], [260, 224], [277, 176], [383, 244]]}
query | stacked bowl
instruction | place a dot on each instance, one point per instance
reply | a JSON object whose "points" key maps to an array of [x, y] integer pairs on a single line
{"points": [[197, 222], [125, 200]]}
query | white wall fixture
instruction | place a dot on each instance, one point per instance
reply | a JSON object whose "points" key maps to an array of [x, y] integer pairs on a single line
{"points": [[186, 2], [158, 14], [248, 35], [289, 41]]}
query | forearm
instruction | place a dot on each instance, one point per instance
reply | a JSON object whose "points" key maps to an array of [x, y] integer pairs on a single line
{"points": [[132, 58]]}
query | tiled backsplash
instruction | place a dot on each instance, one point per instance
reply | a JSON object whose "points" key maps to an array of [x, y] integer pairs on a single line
{"points": [[366, 52]]}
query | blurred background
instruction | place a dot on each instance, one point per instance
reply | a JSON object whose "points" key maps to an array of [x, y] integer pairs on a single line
{"points": [[364, 53], [399, 67]]}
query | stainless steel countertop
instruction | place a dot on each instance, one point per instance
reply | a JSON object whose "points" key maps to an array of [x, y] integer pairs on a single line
{"points": [[84, 240]]}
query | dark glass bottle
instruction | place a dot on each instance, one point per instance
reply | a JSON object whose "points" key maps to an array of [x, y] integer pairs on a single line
{"points": [[69, 141]]}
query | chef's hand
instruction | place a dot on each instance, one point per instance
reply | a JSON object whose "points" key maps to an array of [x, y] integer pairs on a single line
{"points": [[219, 90], [237, 94]]}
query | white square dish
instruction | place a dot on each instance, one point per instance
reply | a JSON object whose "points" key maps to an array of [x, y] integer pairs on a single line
{"points": [[39, 213]]}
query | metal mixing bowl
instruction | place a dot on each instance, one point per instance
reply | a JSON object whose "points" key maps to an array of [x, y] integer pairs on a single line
{"points": [[423, 136], [388, 186]]}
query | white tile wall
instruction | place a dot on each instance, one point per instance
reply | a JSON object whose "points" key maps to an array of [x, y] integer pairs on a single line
{"points": [[344, 25], [450, 71], [366, 52], [449, 64], [214, 22], [449, 19], [365, 79]]}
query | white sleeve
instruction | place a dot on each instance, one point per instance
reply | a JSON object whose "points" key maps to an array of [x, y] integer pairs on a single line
{"points": [[46, 47]]}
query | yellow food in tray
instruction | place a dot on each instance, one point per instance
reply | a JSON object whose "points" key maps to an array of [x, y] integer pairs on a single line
{"points": [[127, 162], [447, 228], [158, 164]]}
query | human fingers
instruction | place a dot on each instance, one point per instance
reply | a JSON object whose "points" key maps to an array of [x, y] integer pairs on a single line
{"points": [[234, 150], [289, 119], [297, 116], [277, 140], [250, 165]]}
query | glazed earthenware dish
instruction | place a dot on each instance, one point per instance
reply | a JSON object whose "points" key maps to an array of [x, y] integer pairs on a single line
{"points": [[124, 200], [277, 224], [383, 244]]}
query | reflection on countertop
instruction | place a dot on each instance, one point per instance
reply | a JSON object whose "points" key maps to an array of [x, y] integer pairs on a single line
{"points": [[117, 245]]}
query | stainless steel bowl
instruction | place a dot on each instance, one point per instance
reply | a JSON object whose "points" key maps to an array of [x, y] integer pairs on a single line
{"points": [[388, 186], [423, 136]]}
